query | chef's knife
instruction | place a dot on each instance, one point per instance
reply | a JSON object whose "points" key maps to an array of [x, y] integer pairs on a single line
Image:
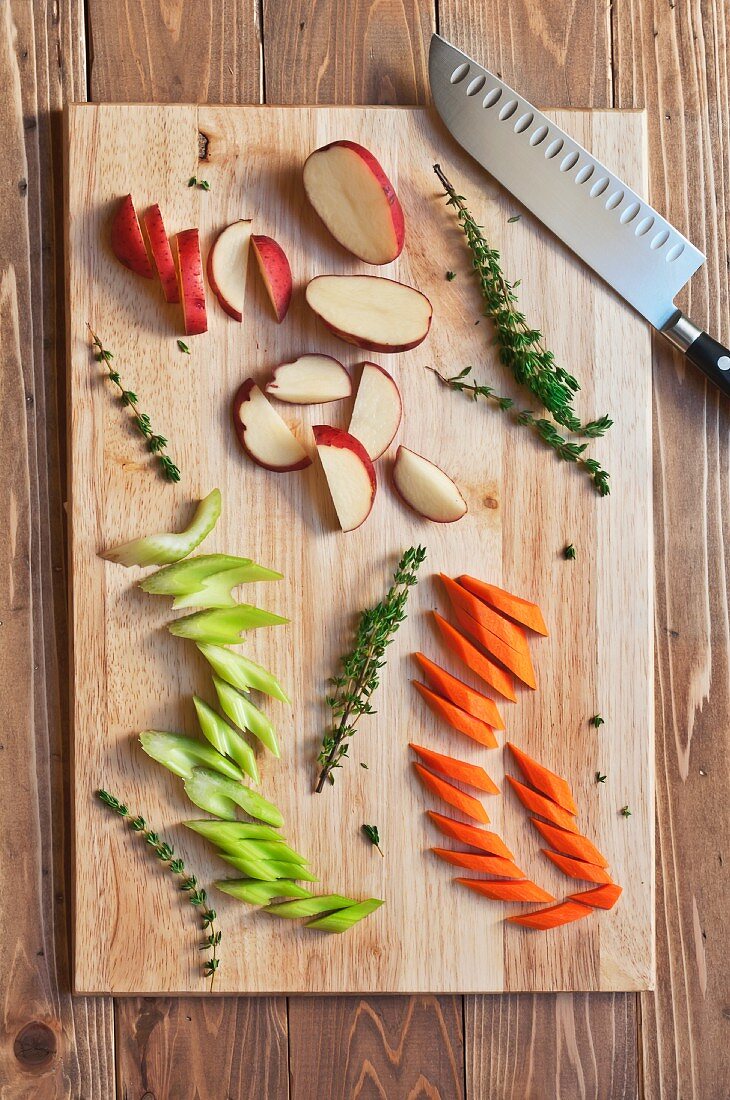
{"points": [[644, 258]]}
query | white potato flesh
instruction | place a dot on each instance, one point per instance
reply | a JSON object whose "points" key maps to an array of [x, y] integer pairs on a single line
{"points": [[372, 310], [229, 263], [267, 436], [377, 412], [426, 487], [350, 485], [311, 379]]}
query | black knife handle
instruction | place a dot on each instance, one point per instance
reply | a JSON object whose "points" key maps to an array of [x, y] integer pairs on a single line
{"points": [[712, 357]]}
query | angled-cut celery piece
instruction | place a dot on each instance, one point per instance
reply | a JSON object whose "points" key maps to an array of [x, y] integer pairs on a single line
{"points": [[208, 789], [264, 849], [242, 673], [310, 907], [256, 892], [225, 834], [170, 547], [206, 580], [183, 754], [223, 625], [248, 717], [345, 918], [282, 868], [268, 869], [226, 739]]}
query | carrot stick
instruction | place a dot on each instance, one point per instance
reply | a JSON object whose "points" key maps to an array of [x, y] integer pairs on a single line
{"points": [[473, 702], [518, 663], [578, 868], [457, 718], [555, 915], [496, 677], [522, 611], [602, 897], [471, 835], [547, 782], [570, 844], [471, 774], [538, 804], [507, 889], [468, 805], [490, 865], [511, 633]]}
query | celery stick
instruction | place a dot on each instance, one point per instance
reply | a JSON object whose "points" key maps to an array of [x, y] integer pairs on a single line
{"points": [[246, 715], [182, 754], [227, 833], [258, 893], [206, 580], [223, 625], [345, 918], [203, 787], [310, 906], [264, 849], [267, 868], [242, 673], [165, 548], [284, 869], [224, 738]]}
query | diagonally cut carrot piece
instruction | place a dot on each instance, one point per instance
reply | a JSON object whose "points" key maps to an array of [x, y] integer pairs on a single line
{"points": [[518, 663], [468, 805], [563, 913], [490, 865], [471, 774], [538, 804], [511, 633], [550, 784], [457, 718], [522, 611], [570, 844], [492, 674], [473, 702], [507, 889], [602, 897], [578, 868], [471, 835]]}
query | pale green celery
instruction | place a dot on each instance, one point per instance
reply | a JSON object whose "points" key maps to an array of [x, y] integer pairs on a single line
{"points": [[224, 738], [268, 869], [206, 580], [246, 715], [182, 754], [264, 849], [165, 548], [207, 789], [285, 869], [223, 625], [227, 833], [345, 918], [242, 673], [310, 907], [259, 893]]}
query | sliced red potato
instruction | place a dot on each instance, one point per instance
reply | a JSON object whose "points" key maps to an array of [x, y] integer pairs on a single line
{"points": [[425, 488], [471, 774], [482, 839], [507, 889], [263, 434], [227, 266], [127, 241], [371, 312], [192, 287], [310, 380], [161, 253], [457, 692], [601, 897], [350, 474], [378, 410], [276, 273]]}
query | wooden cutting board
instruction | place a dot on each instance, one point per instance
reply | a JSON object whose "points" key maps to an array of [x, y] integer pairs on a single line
{"points": [[133, 932]]}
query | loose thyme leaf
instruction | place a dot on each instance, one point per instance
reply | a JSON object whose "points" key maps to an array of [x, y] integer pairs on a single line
{"points": [[371, 832], [569, 552], [183, 347], [625, 811], [596, 721], [450, 276]]}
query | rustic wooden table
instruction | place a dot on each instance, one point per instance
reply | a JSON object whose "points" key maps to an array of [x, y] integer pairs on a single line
{"points": [[670, 56]]}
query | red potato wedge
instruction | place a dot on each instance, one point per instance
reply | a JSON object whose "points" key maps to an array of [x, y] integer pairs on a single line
{"points": [[522, 611], [496, 677], [457, 718], [349, 472], [602, 897], [459, 693], [564, 913], [161, 253], [378, 410], [569, 843], [507, 889], [488, 865], [371, 312], [468, 805], [511, 633], [471, 835], [538, 804], [578, 868], [470, 774], [228, 265], [545, 781], [275, 271], [518, 663], [262, 433], [192, 287], [127, 241], [426, 488]]}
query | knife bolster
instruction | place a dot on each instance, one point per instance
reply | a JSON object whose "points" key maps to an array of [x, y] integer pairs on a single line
{"points": [[681, 332]]}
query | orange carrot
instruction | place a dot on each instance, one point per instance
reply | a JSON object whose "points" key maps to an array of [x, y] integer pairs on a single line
{"points": [[511, 633], [550, 784], [457, 718], [554, 916], [471, 835], [520, 663], [490, 865], [492, 674], [468, 805], [507, 889], [522, 611], [602, 897], [473, 702], [578, 868], [539, 804], [471, 774], [570, 844]]}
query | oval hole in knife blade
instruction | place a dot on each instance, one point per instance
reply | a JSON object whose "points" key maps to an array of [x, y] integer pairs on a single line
{"points": [[644, 226], [476, 85], [523, 122], [599, 187], [492, 97], [554, 148], [660, 240], [459, 73], [630, 213], [508, 110], [540, 134], [569, 162], [585, 173], [675, 252], [614, 200]]}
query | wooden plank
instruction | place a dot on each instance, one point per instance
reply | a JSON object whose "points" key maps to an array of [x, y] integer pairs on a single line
{"points": [[673, 59]]}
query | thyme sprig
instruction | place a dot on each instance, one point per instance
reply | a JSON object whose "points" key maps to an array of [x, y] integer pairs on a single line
{"points": [[373, 835], [197, 895], [360, 674], [156, 444], [521, 348], [565, 449]]}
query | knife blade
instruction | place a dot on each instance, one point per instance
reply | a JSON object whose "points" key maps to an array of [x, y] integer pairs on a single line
{"points": [[624, 240]]}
